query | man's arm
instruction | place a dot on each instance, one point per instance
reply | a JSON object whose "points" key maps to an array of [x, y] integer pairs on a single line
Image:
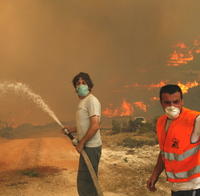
{"points": [[94, 127], [159, 167], [196, 133]]}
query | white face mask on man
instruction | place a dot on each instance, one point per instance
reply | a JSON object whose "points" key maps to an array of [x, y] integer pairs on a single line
{"points": [[172, 112]]}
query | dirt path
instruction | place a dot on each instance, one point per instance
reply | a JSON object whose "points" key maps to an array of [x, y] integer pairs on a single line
{"points": [[39, 167], [48, 166], [53, 159], [37, 152]]}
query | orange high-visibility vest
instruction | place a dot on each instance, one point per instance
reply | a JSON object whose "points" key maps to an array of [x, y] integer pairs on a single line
{"points": [[181, 158]]}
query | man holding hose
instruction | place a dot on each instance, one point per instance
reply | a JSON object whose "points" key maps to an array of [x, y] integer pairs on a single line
{"points": [[88, 132]]}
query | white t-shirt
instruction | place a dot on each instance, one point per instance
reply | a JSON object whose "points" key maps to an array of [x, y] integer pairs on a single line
{"points": [[88, 107], [194, 183]]}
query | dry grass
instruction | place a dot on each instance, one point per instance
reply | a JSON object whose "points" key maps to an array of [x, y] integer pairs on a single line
{"points": [[126, 170], [111, 140]]}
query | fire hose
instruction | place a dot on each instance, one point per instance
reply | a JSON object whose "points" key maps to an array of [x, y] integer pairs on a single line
{"points": [[87, 162]]}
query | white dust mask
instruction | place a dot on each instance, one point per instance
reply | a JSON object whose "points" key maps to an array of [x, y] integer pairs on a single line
{"points": [[172, 112]]}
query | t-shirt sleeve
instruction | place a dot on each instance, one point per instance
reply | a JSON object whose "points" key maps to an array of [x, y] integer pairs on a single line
{"points": [[196, 131], [94, 107], [197, 126]]}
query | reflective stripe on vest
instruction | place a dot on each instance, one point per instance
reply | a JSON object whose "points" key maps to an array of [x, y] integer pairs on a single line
{"points": [[180, 157], [182, 175]]}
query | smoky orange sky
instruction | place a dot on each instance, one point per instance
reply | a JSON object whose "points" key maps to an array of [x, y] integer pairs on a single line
{"points": [[120, 43]]}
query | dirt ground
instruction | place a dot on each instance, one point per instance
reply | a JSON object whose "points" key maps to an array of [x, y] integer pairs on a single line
{"points": [[37, 166], [47, 167]]}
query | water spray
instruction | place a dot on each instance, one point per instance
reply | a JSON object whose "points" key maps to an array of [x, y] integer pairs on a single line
{"points": [[22, 89]]}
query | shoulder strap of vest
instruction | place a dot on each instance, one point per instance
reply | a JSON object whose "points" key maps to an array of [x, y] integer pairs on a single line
{"points": [[190, 114], [161, 119]]}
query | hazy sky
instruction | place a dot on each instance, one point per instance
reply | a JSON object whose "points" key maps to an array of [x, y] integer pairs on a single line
{"points": [[44, 43]]}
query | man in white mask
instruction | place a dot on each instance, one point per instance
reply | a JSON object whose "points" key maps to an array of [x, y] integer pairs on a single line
{"points": [[88, 132], [178, 132]]}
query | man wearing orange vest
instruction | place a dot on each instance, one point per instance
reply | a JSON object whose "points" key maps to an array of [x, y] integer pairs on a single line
{"points": [[178, 132]]}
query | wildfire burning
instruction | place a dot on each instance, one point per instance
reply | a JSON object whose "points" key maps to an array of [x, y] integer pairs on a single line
{"points": [[149, 86], [184, 87], [125, 109], [154, 98], [183, 54], [187, 86], [141, 105]]}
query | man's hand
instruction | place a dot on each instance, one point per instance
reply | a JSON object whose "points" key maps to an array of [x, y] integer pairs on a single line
{"points": [[80, 146], [156, 173], [151, 183], [70, 129]]}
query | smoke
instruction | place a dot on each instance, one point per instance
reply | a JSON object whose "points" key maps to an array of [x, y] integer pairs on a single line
{"points": [[45, 43]]}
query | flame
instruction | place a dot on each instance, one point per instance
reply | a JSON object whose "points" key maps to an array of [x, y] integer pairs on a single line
{"points": [[183, 54], [178, 58], [141, 105], [158, 85], [125, 109], [132, 85], [109, 112], [187, 86], [184, 87], [155, 98], [181, 45]]}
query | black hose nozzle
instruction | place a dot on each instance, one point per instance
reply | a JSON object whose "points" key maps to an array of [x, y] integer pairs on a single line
{"points": [[73, 139]]}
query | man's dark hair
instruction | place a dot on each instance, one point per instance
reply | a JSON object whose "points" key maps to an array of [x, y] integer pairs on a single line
{"points": [[84, 76], [171, 89]]}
